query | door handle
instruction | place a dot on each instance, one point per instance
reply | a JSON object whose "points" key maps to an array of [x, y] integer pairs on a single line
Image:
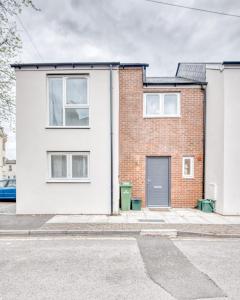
{"points": [[157, 187]]}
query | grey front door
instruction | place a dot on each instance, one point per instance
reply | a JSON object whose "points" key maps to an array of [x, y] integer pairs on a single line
{"points": [[157, 181]]}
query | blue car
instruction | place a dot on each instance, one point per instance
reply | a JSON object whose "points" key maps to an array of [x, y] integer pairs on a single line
{"points": [[8, 189]]}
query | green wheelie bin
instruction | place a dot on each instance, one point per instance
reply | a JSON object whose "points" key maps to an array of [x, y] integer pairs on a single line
{"points": [[208, 205], [126, 193]]}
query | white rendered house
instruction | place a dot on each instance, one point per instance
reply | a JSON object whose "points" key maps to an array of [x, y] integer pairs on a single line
{"points": [[67, 138], [222, 131]]}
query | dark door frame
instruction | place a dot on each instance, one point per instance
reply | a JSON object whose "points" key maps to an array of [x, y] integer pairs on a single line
{"points": [[169, 179]]}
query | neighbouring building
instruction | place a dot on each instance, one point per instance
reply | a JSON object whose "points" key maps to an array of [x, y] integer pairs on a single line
{"points": [[9, 170], [3, 140], [222, 163]]}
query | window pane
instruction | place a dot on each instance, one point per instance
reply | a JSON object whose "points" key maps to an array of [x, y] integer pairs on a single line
{"points": [[79, 166], [55, 102], [77, 116], [187, 166], [170, 104], [76, 91], [59, 166], [152, 105]]}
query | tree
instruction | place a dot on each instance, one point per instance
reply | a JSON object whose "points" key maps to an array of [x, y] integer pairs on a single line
{"points": [[10, 45]]}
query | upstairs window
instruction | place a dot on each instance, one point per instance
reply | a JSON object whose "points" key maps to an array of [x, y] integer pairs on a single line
{"points": [[161, 105], [188, 167], [68, 101]]}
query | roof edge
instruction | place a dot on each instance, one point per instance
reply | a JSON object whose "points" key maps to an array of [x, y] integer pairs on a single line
{"points": [[76, 64], [63, 64], [134, 65], [231, 63]]}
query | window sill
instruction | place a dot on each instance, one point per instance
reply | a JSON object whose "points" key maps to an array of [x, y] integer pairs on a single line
{"points": [[67, 127], [68, 181], [162, 117], [188, 178]]}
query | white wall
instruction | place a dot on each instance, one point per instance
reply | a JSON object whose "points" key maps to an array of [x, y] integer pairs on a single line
{"points": [[222, 139], [231, 141], [34, 194], [214, 158]]}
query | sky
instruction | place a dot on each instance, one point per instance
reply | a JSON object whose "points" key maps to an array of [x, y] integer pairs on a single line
{"points": [[129, 31]]}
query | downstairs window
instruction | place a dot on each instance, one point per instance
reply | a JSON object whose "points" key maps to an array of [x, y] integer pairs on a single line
{"points": [[68, 166]]}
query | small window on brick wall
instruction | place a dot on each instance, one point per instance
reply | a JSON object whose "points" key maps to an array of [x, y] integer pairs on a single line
{"points": [[188, 167], [161, 105]]}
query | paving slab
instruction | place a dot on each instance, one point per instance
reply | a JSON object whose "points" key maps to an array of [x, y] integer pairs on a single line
{"points": [[232, 219], [69, 219], [174, 219], [173, 216], [171, 269]]}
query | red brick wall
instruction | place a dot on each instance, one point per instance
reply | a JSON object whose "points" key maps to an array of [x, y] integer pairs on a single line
{"points": [[174, 137]]}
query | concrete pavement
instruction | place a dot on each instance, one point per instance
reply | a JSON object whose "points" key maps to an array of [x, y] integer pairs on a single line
{"points": [[147, 216], [134, 221]]}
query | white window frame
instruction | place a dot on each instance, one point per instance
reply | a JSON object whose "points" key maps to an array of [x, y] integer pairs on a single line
{"points": [[65, 104], [161, 99], [191, 175], [69, 177]]}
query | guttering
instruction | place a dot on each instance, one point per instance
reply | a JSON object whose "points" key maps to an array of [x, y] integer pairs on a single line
{"points": [[73, 65], [204, 138], [174, 83], [133, 65], [111, 134], [64, 64]]}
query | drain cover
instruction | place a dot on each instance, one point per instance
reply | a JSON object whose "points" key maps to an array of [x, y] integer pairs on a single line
{"points": [[151, 220]]}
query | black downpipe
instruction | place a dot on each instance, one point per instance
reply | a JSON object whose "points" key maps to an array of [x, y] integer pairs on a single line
{"points": [[204, 138], [111, 137]]}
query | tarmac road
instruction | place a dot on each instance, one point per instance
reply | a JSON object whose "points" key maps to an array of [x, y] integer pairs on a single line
{"points": [[119, 268]]}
